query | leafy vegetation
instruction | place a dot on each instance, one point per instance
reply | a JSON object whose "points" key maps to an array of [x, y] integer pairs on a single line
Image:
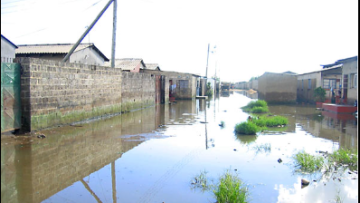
{"points": [[308, 162], [247, 128], [270, 121], [344, 156], [259, 106], [319, 94], [231, 189]]}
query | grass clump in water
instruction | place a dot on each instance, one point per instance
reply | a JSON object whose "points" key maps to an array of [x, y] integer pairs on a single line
{"points": [[270, 121], [231, 189], [308, 162], [201, 181], [344, 156], [259, 106], [247, 128]]}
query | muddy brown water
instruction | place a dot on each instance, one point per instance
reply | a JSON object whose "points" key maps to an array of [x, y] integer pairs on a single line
{"points": [[133, 158]]}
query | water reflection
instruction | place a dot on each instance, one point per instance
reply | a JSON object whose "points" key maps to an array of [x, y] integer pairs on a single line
{"points": [[341, 128], [120, 159]]}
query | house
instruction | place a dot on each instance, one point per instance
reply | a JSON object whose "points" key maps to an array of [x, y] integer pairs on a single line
{"points": [[85, 53], [134, 65], [339, 75], [277, 87], [152, 66], [350, 78], [7, 50]]}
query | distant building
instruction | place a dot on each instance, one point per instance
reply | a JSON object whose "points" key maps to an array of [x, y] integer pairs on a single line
{"points": [[85, 53], [7, 50], [152, 66], [341, 75], [129, 64], [277, 87]]}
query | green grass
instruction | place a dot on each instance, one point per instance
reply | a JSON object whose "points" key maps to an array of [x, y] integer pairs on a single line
{"points": [[259, 109], [247, 128], [259, 106], [270, 121], [344, 156], [308, 162], [231, 189]]}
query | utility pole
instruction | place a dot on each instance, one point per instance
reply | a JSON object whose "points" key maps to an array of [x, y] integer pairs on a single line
{"points": [[207, 61], [86, 31], [114, 35]]}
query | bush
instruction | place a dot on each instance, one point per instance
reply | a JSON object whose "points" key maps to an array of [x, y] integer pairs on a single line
{"points": [[231, 189], [319, 94], [247, 128]]}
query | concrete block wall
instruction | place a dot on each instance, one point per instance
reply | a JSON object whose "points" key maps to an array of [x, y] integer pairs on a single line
{"points": [[138, 91], [54, 93], [278, 88]]}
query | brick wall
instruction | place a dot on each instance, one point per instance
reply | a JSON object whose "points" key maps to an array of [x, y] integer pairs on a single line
{"points": [[138, 91], [54, 93]]}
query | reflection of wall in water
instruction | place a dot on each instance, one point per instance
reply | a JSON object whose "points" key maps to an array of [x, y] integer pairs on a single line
{"points": [[9, 191], [67, 155], [177, 110], [141, 121], [202, 105], [339, 130]]}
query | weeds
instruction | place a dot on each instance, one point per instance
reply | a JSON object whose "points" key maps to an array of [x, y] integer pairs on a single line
{"points": [[201, 181], [270, 121], [259, 106], [308, 162], [247, 128], [231, 189], [344, 156]]}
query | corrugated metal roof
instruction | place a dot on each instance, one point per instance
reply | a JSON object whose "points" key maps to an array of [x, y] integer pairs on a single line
{"points": [[54, 49], [152, 66], [127, 63]]}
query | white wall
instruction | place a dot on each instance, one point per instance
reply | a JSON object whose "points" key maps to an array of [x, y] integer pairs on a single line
{"points": [[7, 51]]}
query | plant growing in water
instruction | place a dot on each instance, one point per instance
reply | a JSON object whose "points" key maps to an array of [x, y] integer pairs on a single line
{"points": [[270, 121], [308, 162], [344, 156], [258, 106], [231, 189], [247, 128], [319, 94], [201, 181]]}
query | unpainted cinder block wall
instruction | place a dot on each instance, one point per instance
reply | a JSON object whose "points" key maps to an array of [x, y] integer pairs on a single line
{"points": [[55, 93], [138, 91], [277, 88]]}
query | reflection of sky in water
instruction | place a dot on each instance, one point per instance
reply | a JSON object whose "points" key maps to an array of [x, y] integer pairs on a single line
{"points": [[160, 170]]}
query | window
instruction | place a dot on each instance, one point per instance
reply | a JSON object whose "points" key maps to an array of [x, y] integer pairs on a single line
{"points": [[309, 84], [328, 83], [302, 84], [353, 79], [184, 84]]}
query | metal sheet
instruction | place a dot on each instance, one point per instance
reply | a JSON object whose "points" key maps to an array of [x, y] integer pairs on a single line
{"points": [[10, 96]]}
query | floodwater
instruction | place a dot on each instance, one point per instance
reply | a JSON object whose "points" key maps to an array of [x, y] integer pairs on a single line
{"points": [[133, 158]]}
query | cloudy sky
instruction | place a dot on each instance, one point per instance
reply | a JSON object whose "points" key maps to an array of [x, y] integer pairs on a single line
{"points": [[250, 36]]}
